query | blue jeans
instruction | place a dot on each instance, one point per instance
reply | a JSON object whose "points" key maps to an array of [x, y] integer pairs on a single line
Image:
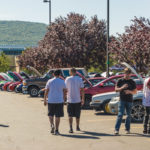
{"points": [[121, 108]]}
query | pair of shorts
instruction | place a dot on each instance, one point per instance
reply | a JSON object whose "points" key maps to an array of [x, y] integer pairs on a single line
{"points": [[74, 110], [56, 110]]}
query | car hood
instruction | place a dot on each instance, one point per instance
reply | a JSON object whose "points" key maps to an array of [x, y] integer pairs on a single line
{"points": [[34, 70], [104, 96]]}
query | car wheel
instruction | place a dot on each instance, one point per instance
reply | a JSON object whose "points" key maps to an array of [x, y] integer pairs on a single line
{"points": [[137, 112], [34, 91], [16, 90], [87, 102], [106, 108]]}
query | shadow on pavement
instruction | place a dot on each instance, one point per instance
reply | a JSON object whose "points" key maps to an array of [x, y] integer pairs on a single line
{"points": [[137, 135], [103, 114], [5, 126], [96, 133], [79, 136]]}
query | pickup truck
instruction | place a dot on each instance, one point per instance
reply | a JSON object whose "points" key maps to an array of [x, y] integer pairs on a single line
{"points": [[33, 86]]}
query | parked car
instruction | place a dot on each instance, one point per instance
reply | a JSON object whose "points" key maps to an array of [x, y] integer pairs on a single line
{"points": [[137, 112], [107, 85], [100, 101], [2, 78], [8, 77], [17, 79], [22, 76], [33, 86]]}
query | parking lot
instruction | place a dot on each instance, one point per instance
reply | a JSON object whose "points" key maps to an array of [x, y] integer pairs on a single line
{"points": [[24, 126]]}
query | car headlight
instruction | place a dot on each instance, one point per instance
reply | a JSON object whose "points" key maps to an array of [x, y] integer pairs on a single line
{"points": [[24, 83]]}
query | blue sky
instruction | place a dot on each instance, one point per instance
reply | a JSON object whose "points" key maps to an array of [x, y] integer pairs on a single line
{"points": [[121, 11]]}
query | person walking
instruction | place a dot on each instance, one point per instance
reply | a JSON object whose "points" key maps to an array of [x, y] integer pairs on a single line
{"points": [[75, 86], [55, 91], [146, 103], [127, 87]]}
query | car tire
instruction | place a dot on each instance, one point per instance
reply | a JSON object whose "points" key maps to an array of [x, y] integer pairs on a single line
{"points": [[16, 90], [87, 102], [34, 91], [137, 112], [106, 108]]}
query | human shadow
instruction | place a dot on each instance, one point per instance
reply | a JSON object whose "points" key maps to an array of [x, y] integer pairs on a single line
{"points": [[79, 136], [5, 126], [137, 135], [96, 133], [133, 122], [103, 114]]}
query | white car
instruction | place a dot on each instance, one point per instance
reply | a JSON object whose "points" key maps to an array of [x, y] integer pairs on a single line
{"points": [[100, 101]]}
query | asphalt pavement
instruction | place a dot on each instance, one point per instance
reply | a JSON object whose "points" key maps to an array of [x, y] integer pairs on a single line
{"points": [[24, 125]]}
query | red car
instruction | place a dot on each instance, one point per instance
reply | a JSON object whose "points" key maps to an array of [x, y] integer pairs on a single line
{"points": [[12, 86], [107, 85], [6, 85]]}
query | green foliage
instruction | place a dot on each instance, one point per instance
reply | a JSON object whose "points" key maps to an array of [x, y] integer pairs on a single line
{"points": [[4, 62], [21, 33]]}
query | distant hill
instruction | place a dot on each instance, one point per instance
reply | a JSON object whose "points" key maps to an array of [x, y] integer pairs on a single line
{"points": [[21, 33]]}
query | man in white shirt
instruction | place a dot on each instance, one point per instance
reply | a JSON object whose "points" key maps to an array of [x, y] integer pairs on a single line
{"points": [[74, 85], [146, 103], [55, 91]]}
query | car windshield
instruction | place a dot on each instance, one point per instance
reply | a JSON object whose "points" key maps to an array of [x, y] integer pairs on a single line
{"points": [[95, 81], [47, 75], [66, 72]]}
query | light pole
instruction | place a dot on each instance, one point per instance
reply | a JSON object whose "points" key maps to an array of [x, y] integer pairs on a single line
{"points": [[107, 38], [49, 1]]}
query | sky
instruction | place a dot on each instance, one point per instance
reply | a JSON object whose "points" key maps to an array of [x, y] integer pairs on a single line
{"points": [[121, 11]]}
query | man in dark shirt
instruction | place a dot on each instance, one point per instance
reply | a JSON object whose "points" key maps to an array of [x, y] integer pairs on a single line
{"points": [[127, 87]]}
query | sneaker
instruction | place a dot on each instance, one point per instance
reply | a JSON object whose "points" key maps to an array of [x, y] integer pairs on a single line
{"points": [[116, 132], [145, 132], [71, 131], [127, 131], [52, 129], [78, 128], [57, 132]]}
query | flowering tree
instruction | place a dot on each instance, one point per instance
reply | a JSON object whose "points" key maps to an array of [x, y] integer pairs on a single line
{"points": [[133, 46], [69, 42]]}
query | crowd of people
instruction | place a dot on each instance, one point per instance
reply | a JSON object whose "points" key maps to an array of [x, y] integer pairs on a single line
{"points": [[72, 90]]}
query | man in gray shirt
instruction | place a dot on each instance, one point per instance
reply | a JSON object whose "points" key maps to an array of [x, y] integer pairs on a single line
{"points": [[55, 91]]}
